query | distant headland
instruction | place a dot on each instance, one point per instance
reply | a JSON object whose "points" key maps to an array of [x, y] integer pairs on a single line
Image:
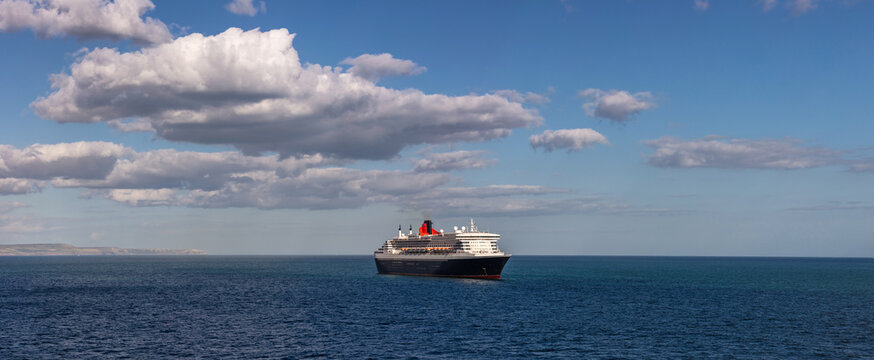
{"points": [[67, 249]]}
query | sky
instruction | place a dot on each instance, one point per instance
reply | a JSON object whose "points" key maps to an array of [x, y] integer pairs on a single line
{"points": [[711, 128]]}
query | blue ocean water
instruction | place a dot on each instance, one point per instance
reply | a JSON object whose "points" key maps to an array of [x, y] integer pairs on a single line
{"points": [[338, 307]]}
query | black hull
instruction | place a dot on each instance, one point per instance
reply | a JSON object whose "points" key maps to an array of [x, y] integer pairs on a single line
{"points": [[481, 268]]}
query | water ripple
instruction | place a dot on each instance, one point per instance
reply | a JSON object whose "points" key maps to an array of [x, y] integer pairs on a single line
{"points": [[337, 308]]}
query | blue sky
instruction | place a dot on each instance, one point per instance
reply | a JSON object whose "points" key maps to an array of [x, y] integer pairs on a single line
{"points": [[570, 127]]}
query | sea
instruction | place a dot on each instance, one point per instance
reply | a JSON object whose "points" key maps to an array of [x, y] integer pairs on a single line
{"points": [[338, 307]]}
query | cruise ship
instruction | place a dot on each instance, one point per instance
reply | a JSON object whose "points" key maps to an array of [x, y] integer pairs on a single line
{"points": [[466, 252]]}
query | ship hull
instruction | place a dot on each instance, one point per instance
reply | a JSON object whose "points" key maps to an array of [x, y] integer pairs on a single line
{"points": [[480, 267]]}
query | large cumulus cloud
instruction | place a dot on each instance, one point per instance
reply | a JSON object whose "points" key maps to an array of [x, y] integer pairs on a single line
{"points": [[249, 89], [85, 19]]}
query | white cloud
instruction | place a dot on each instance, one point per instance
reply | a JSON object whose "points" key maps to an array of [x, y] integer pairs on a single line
{"points": [[509, 200], [142, 197], [108, 165], [570, 139], [79, 160], [249, 89], [513, 206], [138, 125], [702, 5], [798, 7], [190, 170], [230, 179], [718, 152], [616, 105], [317, 188], [767, 5], [221, 179], [525, 98], [13, 186], [515, 200], [456, 160], [192, 72], [490, 191], [375, 67], [837, 205], [246, 7], [84, 19]]}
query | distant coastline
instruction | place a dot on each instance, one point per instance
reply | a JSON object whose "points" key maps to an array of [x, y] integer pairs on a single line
{"points": [[67, 249]]}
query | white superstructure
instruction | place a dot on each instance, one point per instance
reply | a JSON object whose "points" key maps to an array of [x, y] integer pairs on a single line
{"points": [[463, 242]]}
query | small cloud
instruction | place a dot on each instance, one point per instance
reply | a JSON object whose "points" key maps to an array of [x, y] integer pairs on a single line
{"points": [[79, 160], [768, 5], [375, 67], [570, 139], [13, 186], [798, 7], [718, 152], [836, 205], [616, 105], [568, 8], [456, 160], [136, 125], [702, 5], [142, 197], [525, 98], [246, 7], [502, 206]]}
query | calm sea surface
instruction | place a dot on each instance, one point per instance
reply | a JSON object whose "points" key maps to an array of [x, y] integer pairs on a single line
{"points": [[338, 307]]}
